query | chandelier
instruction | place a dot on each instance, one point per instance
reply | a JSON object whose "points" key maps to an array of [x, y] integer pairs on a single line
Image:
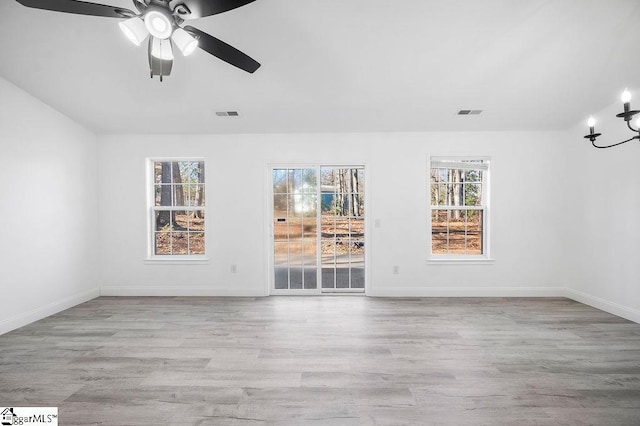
{"points": [[627, 115]]}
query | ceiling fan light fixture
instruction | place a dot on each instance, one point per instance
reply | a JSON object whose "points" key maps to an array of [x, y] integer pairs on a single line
{"points": [[158, 23], [135, 30], [162, 49], [185, 41]]}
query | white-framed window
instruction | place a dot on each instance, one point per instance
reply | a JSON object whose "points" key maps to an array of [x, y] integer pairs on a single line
{"points": [[177, 208], [459, 206]]}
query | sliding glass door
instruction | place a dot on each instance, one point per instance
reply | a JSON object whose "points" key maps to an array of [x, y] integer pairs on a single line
{"points": [[318, 230]]}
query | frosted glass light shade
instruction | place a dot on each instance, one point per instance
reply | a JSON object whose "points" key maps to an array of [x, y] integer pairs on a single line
{"points": [[158, 24], [185, 41], [135, 30], [162, 49]]}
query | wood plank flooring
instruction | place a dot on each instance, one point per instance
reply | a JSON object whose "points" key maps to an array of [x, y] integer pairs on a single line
{"points": [[330, 360]]}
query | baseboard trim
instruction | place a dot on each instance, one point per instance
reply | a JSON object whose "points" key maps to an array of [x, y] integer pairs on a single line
{"points": [[185, 291], [468, 292], [604, 305], [47, 310]]}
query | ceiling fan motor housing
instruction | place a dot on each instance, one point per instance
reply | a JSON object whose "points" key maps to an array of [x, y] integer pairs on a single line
{"points": [[159, 22]]}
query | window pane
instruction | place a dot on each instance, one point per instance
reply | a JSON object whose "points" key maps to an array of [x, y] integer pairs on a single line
{"points": [[356, 248], [310, 278], [359, 188], [326, 178], [295, 277], [310, 260], [474, 232], [473, 176], [439, 231], [279, 181], [357, 263], [162, 221], [439, 245], [295, 181], [200, 172], [328, 226], [309, 205], [294, 204], [162, 195], [281, 261], [328, 276], [280, 225], [196, 195], [472, 194], [342, 272], [180, 220], [196, 220], [280, 203], [328, 203], [179, 242], [342, 229], [162, 172], [295, 228], [178, 195], [196, 243], [310, 227], [357, 228], [442, 194], [188, 172], [162, 243], [309, 181]]}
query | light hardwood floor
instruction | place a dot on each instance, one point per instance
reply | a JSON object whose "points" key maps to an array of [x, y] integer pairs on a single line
{"points": [[329, 360]]}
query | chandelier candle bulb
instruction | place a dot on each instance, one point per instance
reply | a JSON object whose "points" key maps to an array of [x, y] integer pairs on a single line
{"points": [[626, 99], [591, 122]]}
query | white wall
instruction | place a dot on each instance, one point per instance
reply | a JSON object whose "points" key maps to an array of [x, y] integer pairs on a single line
{"points": [[528, 244], [563, 214], [48, 210], [606, 224]]}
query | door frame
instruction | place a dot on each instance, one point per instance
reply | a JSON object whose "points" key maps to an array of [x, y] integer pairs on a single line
{"points": [[268, 224]]}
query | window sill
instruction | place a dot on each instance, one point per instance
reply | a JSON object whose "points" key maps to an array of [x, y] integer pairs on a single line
{"points": [[174, 260], [460, 261]]}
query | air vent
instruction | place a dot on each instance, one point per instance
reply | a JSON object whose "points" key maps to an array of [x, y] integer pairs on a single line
{"points": [[227, 113], [469, 112]]}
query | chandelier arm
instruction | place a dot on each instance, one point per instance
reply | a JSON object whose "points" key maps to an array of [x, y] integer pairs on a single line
{"points": [[593, 142], [631, 127]]}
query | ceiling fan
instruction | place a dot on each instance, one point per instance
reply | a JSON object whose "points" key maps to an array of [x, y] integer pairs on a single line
{"points": [[161, 21]]}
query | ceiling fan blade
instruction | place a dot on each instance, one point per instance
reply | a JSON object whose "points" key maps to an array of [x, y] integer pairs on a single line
{"points": [[140, 5], [201, 8], [78, 7], [222, 50]]}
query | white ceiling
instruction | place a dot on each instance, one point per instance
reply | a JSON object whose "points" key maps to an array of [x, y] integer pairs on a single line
{"points": [[338, 66]]}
